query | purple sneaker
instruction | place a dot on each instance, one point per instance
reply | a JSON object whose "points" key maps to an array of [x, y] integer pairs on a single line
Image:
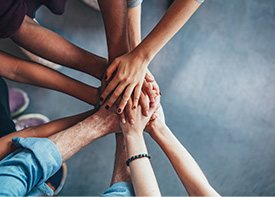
{"points": [[29, 120], [19, 101]]}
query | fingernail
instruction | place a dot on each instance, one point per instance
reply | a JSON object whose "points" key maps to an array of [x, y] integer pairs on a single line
{"points": [[123, 121], [160, 93], [119, 110], [107, 107], [146, 113], [134, 107], [132, 121], [105, 77], [101, 99]]}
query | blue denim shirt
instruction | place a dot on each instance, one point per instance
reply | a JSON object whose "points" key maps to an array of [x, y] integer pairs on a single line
{"points": [[25, 171]]}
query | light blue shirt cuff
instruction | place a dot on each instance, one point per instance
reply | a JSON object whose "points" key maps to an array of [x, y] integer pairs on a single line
{"points": [[36, 160]]}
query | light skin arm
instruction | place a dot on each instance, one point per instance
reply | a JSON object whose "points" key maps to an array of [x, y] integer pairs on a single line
{"points": [[131, 68], [42, 131], [27, 72], [75, 138], [51, 46], [185, 166], [142, 174]]}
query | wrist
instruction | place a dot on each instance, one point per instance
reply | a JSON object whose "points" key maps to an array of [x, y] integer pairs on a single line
{"points": [[159, 131], [145, 55]]}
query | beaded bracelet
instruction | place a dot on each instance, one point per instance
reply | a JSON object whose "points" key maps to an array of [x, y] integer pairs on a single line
{"points": [[136, 157]]}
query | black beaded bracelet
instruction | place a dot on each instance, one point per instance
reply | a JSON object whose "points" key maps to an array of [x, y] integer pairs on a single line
{"points": [[136, 157]]}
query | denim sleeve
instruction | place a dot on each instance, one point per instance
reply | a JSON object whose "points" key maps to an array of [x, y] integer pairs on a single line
{"points": [[133, 3], [31, 165]]}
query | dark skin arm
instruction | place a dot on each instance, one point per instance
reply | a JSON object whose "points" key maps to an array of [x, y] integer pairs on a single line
{"points": [[27, 72], [51, 46]]}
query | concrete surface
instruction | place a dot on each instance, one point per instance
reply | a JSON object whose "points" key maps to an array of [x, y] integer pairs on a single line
{"points": [[217, 80]]}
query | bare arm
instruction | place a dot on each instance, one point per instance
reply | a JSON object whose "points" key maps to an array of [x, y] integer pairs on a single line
{"points": [[186, 167], [131, 68], [73, 139], [142, 174], [49, 45], [43, 131], [31, 73]]}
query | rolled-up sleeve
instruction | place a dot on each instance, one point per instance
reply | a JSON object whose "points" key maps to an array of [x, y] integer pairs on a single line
{"points": [[31, 165]]}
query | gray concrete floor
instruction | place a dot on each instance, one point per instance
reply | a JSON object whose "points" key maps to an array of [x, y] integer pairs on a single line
{"points": [[217, 80]]}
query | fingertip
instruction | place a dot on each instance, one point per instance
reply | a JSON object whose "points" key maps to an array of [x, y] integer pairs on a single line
{"points": [[123, 121], [132, 121]]}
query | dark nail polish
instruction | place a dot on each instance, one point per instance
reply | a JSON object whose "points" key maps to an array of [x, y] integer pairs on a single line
{"points": [[160, 93], [101, 99], [119, 110], [134, 107], [105, 77], [107, 107]]}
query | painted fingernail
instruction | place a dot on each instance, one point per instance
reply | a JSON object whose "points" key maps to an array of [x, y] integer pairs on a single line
{"points": [[101, 99], [119, 110], [107, 107], [123, 121], [134, 107], [160, 93], [105, 77], [132, 121]]}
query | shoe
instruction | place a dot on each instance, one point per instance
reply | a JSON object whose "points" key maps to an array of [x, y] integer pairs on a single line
{"points": [[29, 120], [92, 4], [18, 101], [56, 182]]}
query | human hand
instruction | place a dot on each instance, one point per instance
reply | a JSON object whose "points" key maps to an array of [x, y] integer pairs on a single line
{"points": [[153, 126], [110, 119], [140, 120], [130, 72]]}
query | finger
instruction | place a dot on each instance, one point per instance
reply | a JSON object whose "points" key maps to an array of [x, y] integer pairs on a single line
{"points": [[111, 69], [111, 86], [130, 112], [144, 103], [118, 91], [136, 95], [156, 87], [122, 118], [154, 105], [147, 87], [125, 97], [149, 77]]}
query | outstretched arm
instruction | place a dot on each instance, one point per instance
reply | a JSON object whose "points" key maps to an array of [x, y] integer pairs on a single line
{"points": [[186, 167], [142, 174], [42, 131], [38, 159], [22, 71], [131, 68], [51, 46]]}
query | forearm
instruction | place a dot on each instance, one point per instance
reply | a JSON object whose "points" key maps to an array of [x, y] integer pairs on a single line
{"points": [[42, 131], [51, 46], [73, 139], [142, 174], [31, 73], [175, 17], [134, 29], [115, 21], [185, 166]]}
